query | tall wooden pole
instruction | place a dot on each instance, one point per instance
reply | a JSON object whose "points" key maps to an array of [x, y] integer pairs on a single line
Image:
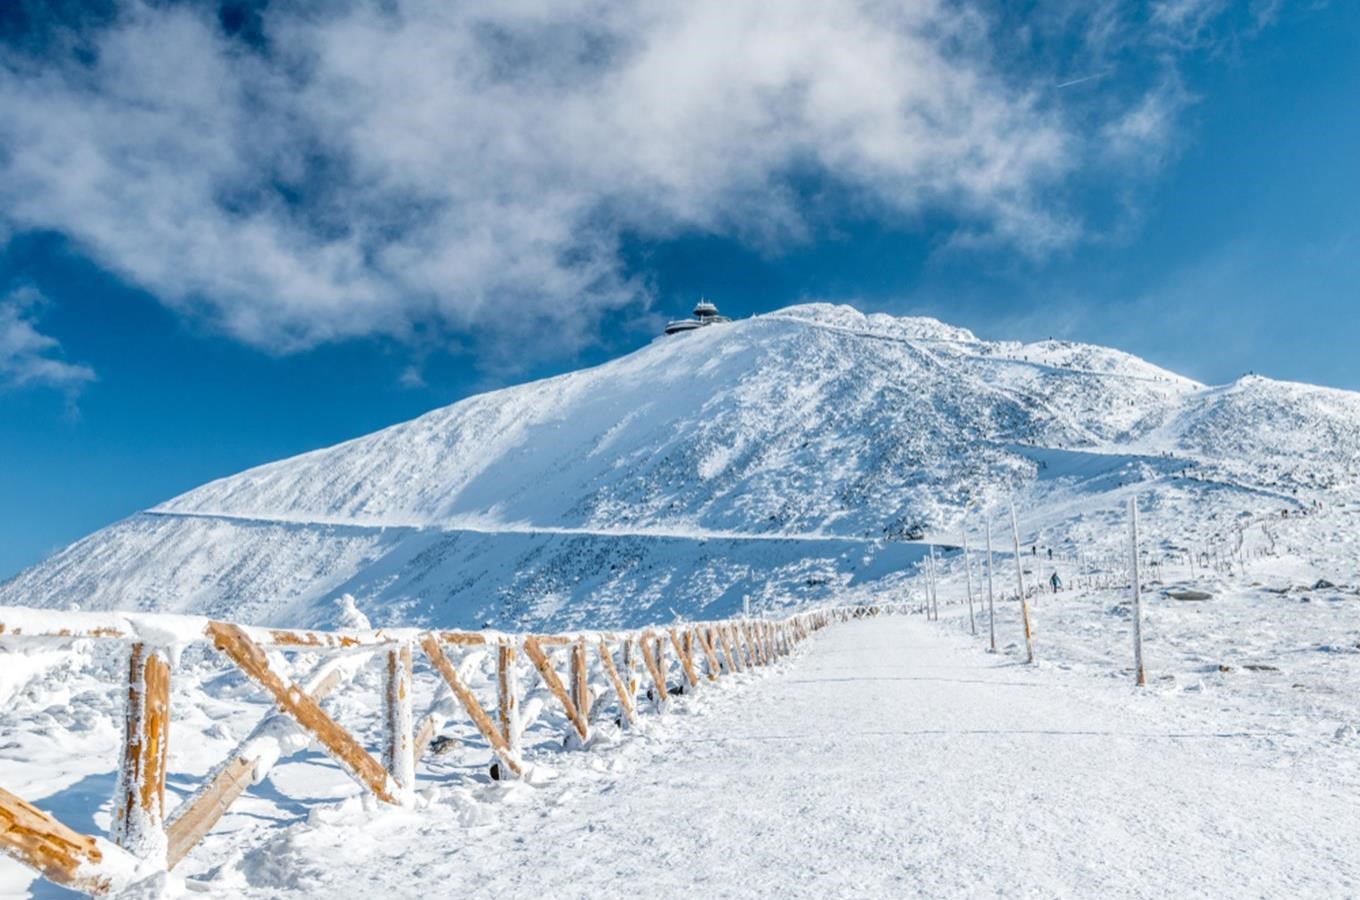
{"points": [[991, 603], [1020, 582], [1137, 593], [968, 572], [934, 594]]}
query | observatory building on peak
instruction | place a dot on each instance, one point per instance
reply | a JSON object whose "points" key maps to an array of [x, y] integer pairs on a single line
{"points": [[705, 313]]}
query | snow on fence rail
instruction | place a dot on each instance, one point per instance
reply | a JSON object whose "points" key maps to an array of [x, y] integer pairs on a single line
{"points": [[144, 841]]}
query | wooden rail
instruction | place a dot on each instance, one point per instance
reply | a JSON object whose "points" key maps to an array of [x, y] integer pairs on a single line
{"points": [[143, 840]]}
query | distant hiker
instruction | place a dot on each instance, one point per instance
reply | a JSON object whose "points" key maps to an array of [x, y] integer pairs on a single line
{"points": [[1055, 581], [1050, 552]]}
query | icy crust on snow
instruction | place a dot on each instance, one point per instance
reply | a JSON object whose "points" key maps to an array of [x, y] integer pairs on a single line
{"points": [[784, 456]]}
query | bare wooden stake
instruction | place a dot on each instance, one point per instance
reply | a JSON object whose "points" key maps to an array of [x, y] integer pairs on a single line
{"points": [[507, 757], [139, 798]]}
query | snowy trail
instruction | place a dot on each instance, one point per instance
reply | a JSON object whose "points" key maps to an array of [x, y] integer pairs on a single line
{"points": [[888, 757]]}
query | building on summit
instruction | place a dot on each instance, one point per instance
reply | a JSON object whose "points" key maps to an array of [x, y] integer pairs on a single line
{"points": [[705, 313]]}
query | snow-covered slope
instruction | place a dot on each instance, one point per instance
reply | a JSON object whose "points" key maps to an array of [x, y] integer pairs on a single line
{"points": [[779, 458]]}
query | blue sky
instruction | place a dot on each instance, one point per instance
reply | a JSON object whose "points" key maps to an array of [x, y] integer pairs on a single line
{"points": [[235, 232]]}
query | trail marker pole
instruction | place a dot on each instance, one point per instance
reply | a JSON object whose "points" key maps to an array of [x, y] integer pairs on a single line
{"points": [[991, 606], [968, 572], [1020, 582], [1137, 594], [934, 598]]}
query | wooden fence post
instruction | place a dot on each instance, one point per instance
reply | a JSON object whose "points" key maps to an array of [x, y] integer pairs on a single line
{"points": [[580, 679], [507, 695], [399, 751], [686, 664], [625, 701], [139, 798], [704, 636], [730, 657], [630, 678], [649, 659]]}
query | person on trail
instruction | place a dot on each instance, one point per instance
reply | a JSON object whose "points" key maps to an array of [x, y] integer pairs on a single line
{"points": [[1055, 581], [1050, 552]]}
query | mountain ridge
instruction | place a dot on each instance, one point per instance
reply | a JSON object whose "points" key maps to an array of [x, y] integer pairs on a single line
{"points": [[775, 459]]}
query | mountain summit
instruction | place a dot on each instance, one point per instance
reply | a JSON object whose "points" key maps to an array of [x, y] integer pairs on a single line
{"points": [[773, 460]]}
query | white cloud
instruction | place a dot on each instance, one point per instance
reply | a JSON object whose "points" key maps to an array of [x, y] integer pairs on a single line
{"points": [[412, 165], [29, 358]]}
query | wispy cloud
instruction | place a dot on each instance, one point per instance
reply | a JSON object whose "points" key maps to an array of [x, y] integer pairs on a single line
{"points": [[29, 358], [404, 166]]}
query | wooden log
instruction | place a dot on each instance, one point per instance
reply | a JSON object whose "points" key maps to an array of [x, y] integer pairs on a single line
{"points": [[399, 747], [139, 797], [740, 635], [686, 664], [196, 816], [426, 729], [703, 636], [435, 653], [63, 856], [336, 741], [625, 700], [580, 679], [728, 657], [658, 678], [534, 651], [752, 648]]}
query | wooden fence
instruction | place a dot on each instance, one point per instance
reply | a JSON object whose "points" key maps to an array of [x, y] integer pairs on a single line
{"points": [[144, 839]]}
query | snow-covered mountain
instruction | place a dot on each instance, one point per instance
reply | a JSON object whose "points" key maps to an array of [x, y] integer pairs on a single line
{"points": [[781, 458]]}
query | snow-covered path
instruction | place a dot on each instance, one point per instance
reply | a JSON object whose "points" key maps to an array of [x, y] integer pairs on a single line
{"points": [[888, 757]]}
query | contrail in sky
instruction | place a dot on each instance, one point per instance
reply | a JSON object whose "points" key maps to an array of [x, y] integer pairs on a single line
{"points": [[1084, 78]]}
